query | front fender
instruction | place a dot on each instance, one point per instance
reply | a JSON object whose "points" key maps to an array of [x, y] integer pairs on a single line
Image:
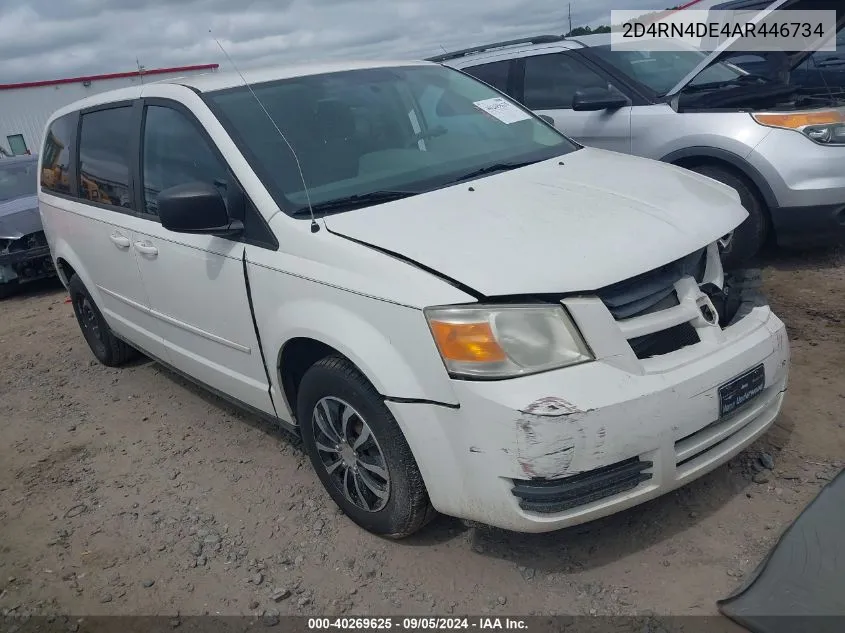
{"points": [[390, 344]]}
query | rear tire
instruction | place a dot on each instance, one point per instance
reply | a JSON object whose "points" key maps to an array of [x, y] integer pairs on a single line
{"points": [[364, 463], [8, 289], [107, 348], [749, 237]]}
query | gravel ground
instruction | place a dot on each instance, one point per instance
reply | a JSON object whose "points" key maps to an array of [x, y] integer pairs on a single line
{"points": [[131, 492]]}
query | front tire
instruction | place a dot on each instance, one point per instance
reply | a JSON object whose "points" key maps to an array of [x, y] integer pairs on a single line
{"points": [[107, 348], [748, 238], [358, 450]]}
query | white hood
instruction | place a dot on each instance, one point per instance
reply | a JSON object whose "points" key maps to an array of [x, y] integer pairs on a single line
{"points": [[599, 218]]}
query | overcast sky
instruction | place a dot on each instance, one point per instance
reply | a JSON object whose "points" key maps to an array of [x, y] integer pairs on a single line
{"points": [[48, 39]]}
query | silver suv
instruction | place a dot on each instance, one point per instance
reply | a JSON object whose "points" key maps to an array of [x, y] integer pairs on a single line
{"points": [[781, 148]]}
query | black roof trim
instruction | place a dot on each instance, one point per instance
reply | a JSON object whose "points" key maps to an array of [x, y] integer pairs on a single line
{"points": [[537, 39]]}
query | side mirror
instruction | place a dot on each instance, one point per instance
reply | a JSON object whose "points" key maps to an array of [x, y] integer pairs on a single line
{"points": [[593, 99], [196, 207], [547, 119]]}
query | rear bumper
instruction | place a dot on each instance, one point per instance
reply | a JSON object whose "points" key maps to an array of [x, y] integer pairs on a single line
{"points": [[809, 226]]}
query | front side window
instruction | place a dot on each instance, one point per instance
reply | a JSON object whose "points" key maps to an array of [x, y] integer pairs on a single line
{"points": [[175, 153], [552, 80], [405, 130], [104, 142], [17, 179], [55, 156]]}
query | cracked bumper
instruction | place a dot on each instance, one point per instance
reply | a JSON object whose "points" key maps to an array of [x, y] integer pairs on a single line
{"points": [[596, 415], [19, 257], [26, 265]]}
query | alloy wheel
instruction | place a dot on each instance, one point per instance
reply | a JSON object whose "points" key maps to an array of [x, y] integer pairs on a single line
{"points": [[350, 454]]}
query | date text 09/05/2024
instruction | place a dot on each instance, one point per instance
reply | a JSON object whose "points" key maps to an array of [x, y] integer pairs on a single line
{"points": [[412, 624]]}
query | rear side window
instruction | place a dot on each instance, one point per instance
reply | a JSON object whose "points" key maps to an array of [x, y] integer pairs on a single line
{"points": [[55, 156], [552, 80], [104, 147], [494, 74], [175, 153]]}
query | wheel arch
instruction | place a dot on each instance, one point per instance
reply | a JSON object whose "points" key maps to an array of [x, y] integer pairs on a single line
{"points": [[68, 264], [296, 356], [693, 156], [399, 368], [64, 270]]}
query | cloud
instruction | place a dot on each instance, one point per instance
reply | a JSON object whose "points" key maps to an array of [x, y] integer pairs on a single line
{"points": [[46, 39]]}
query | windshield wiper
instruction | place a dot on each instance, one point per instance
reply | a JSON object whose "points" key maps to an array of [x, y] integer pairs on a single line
{"points": [[356, 201], [742, 80], [492, 169]]}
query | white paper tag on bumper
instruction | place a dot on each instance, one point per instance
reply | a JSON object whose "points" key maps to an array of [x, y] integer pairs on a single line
{"points": [[502, 109]]}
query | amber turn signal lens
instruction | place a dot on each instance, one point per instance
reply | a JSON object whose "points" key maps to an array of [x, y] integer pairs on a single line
{"points": [[468, 342], [800, 119]]}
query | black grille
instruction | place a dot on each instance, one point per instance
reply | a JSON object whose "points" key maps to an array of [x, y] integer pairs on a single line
{"points": [[664, 342], [557, 495], [651, 292], [654, 290]]}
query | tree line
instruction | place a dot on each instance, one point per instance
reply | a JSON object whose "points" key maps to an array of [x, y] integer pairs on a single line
{"points": [[605, 28]]}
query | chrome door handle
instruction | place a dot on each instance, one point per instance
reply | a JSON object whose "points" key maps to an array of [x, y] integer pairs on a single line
{"points": [[146, 248], [119, 240]]}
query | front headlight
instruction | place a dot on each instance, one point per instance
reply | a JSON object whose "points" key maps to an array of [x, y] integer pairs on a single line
{"points": [[505, 341], [825, 127]]}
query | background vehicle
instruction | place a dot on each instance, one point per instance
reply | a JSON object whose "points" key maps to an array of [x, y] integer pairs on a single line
{"points": [[819, 72], [443, 295], [24, 254], [694, 110]]}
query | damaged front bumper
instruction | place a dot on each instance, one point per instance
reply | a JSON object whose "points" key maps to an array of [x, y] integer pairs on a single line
{"points": [[24, 259], [547, 451]]}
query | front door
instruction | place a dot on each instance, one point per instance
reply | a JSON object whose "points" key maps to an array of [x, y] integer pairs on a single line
{"points": [[195, 283], [549, 86]]}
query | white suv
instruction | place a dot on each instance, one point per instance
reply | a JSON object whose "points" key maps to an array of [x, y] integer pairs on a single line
{"points": [[456, 307]]}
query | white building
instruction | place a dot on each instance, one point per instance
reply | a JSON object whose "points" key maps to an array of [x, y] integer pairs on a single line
{"points": [[25, 107]]}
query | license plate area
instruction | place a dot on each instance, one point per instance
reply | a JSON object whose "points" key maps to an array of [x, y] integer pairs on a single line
{"points": [[741, 390]]}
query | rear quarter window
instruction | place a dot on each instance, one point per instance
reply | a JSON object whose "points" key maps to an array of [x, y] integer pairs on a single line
{"points": [[55, 156]]}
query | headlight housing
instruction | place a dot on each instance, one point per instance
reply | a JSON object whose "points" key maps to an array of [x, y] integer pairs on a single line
{"points": [[505, 341], [825, 127]]}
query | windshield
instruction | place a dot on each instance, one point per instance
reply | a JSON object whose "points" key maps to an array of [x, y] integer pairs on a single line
{"points": [[833, 60], [407, 129], [660, 71], [17, 180]]}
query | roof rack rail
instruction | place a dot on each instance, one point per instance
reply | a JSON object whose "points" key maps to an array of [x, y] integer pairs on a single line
{"points": [[537, 39]]}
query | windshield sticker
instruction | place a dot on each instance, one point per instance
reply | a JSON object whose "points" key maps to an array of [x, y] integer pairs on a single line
{"points": [[502, 109]]}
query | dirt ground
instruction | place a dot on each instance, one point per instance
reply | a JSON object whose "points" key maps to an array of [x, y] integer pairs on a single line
{"points": [[130, 492]]}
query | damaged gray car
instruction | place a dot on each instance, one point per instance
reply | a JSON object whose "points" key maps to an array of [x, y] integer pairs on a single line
{"points": [[24, 253]]}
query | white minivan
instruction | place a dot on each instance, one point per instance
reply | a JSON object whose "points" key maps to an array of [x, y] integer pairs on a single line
{"points": [[457, 307]]}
